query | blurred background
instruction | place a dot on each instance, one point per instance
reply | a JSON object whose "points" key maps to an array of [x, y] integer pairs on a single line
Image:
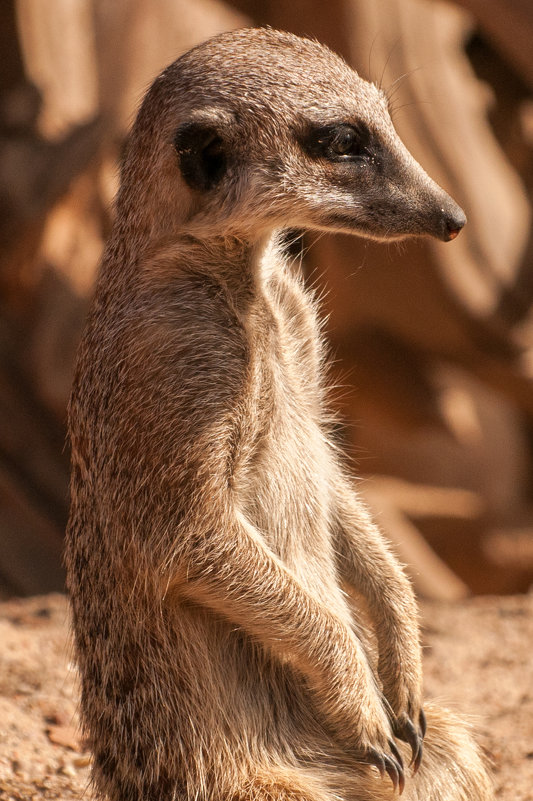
{"points": [[433, 343]]}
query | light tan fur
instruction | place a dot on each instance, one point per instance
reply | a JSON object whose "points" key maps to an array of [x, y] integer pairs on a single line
{"points": [[213, 526]]}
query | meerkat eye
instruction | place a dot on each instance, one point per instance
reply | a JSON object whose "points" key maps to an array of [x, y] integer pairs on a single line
{"points": [[343, 141]]}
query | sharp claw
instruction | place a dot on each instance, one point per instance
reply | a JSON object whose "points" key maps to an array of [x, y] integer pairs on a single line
{"points": [[418, 758], [375, 758], [408, 734], [394, 771], [391, 765], [401, 783], [423, 723], [396, 753]]}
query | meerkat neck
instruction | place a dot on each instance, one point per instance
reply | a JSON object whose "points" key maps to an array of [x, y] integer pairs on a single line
{"points": [[242, 269], [241, 266]]}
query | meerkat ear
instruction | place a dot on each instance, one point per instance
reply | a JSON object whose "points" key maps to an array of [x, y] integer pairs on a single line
{"points": [[202, 154]]}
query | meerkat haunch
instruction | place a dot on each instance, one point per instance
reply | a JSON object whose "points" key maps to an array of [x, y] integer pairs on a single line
{"points": [[214, 530]]}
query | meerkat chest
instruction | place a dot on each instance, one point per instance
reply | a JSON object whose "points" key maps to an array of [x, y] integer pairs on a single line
{"points": [[283, 482]]}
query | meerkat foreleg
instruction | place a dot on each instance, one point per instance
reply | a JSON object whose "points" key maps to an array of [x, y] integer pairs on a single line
{"points": [[238, 577], [367, 564]]}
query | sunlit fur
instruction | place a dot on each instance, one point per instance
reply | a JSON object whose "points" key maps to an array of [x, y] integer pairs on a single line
{"points": [[215, 537]]}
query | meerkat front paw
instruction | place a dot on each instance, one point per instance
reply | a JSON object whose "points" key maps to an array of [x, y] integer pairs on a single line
{"points": [[358, 717], [407, 718], [376, 744], [411, 733], [401, 677], [391, 763]]}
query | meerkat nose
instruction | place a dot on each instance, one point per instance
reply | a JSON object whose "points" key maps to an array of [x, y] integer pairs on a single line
{"points": [[453, 221]]}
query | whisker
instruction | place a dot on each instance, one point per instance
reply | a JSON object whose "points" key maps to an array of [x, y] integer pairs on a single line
{"points": [[399, 80], [370, 55], [393, 111], [393, 48]]}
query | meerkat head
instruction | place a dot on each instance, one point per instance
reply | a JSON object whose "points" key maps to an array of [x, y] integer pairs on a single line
{"points": [[257, 129]]}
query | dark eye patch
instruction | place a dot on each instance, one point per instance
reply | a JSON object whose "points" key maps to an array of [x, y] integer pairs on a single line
{"points": [[339, 142]]}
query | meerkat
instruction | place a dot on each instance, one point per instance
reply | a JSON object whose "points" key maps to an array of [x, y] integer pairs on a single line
{"points": [[215, 538]]}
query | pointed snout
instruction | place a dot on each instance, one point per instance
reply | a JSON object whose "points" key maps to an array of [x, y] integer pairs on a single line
{"points": [[439, 215], [453, 220]]}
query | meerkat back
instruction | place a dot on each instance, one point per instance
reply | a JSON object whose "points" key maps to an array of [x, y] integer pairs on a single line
{"points": [[213, 527]]}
